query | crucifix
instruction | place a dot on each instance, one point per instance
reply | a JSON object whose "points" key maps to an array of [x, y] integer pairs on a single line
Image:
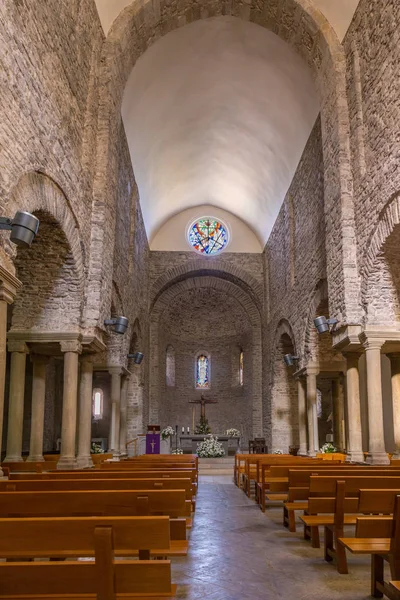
{"points": [[203, 401]]}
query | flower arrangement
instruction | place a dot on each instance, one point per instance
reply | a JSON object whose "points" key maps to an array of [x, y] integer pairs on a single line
{"points": [[210, 447], [277, 452], [203, 427], [167, 432], [233, 432], [177, 451], [328, 448], [96, 449]]}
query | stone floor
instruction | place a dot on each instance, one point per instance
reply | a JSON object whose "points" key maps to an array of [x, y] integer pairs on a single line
{"points": [[238, 553]]}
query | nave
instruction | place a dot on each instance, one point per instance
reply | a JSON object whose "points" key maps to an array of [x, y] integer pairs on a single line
{"points": [[239, 553]]}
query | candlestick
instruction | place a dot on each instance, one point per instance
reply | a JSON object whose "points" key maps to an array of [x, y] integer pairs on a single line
{"points": [[188, 430], [183, 430]]}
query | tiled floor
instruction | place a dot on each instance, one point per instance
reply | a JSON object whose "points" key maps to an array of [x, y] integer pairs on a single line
{"points": [[238, 553]]}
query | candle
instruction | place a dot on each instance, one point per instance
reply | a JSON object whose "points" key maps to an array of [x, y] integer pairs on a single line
{"points": [[188, 430], [183, 430]]}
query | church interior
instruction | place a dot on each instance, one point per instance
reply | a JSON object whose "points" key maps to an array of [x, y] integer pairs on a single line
{"points": [[199, 299]]}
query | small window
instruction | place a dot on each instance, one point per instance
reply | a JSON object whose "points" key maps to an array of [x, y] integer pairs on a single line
{"points": [[97, 404], [202, 372], [241, 367], [170, 367]]}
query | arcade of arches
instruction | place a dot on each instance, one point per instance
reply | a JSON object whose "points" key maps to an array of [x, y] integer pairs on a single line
{"points": [[303, 179]]}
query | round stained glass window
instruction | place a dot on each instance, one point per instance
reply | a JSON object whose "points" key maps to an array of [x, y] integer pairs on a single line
{"points": [[208, 235]]}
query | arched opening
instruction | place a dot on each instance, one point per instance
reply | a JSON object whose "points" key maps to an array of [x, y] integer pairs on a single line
{"points": [[284, 417]]}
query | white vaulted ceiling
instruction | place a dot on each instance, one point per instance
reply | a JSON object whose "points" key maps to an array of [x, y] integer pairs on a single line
{"points": [[218, 112]]}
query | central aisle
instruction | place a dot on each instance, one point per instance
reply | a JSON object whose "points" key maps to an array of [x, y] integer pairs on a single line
{"points": [[238, 553]]}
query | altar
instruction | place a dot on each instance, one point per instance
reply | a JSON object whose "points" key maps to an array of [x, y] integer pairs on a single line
{"points": [[188, 443]]}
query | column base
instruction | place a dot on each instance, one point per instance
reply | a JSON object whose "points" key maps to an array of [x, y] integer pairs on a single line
{"points": [[13, 459], [312, 453], [396, 456], [302, 452], [84, 462], [355, 457], [377, 458], [37, 458], [67, 462], [123, 454]]}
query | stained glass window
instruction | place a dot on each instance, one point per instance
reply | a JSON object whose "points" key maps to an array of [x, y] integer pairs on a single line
{"points": [[208, 236], [241, 368], [203, 372]]}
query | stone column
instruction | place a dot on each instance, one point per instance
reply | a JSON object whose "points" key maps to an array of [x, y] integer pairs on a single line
{"points": [[123, 416], [313, 442], [71, 350], [19, 351], [338, 413], [9, 285], [114, 443], [395, 372], [84, 458], [302, 394], [377, 454], [354, 451], [38, 402]]}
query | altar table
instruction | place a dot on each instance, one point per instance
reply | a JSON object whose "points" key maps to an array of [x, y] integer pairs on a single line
{"points": [[188, 443]]}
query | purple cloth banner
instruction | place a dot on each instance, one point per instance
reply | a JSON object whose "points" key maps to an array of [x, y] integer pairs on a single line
{"points": [[152, 443]]}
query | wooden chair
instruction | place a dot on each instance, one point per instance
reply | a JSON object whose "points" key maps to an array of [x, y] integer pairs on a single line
{"points": [[258, 446], [103, 579]]}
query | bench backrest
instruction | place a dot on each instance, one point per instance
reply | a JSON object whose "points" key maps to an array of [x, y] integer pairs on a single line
{"points": [[32, 485], [105, 474], [322, 485], [94, 503], [61, 536], [104, 578], [301, 478], [33, 467]]}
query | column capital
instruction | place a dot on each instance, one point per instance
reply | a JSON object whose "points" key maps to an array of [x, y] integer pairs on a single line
{"points": [[86, 358], [370, 341], [17, 346], [312, 371], [71, 346], [115, 370], [352, 357], [9, 286]]}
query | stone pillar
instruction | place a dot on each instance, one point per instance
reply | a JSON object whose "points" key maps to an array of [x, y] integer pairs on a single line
{"points": [[313, 442], [338, 414], [71, 350], [354, 451], [114, 443], [9, 285], [377, 454], [19, 351], [38, 402], [123, 416], [84, 458], [302, 395], [395, 373]]}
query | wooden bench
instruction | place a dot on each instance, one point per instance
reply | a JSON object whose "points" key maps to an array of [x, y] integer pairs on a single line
{"points": [[299, 483], [380, 548], [27, 466], [57, 537], [37, 485], [333, 512], [103, 579]]}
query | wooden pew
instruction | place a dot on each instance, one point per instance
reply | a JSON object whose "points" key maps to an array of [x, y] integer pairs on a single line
{"points": [[299, 484], [381, 548], [103, 579], [171, 503], [27, 466], [37, 485], [72, 537], [328, 510]]}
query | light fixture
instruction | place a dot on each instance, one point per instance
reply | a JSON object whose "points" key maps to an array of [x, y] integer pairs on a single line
{"points": [[323, 324], [137, 357], [23, 227], [120, 324], [289, 359]]}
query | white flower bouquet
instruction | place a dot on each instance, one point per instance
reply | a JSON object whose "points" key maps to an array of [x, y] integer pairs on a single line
{"points": [[233, 432], [177, 451], [210, 447], [328, 448], [167, 432], [277, 452]]}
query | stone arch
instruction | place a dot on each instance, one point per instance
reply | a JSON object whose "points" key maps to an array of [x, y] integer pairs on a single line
{"points": [[166, 299], [283, 422], [35, 192], [380, 276]]}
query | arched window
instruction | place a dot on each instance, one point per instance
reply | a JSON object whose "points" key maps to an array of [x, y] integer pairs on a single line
{"points": [[170, 367], [241, 367], [97, 409], [202, 372]]}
